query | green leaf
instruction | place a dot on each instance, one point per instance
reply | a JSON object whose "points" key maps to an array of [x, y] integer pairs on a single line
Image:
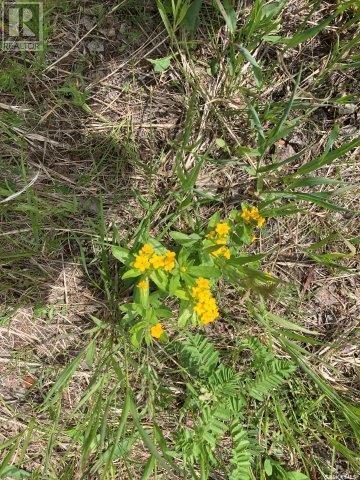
{"points": [[318, 199], [184, 317], [63, 379], [163, 312], [238, 261], [13, 472], [229, 14], [159, 278], [220, 142], [184, 239], [328, 157], [137, 333], [302, 37], [204, 271], [191, 18], [161, 64], [255, 66], [134, 272], [122, 254], [296, 476], [149, 468], [268, 467], [313, 181]]}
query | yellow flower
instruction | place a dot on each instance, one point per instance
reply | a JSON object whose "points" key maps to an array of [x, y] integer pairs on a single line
{"points": [[141, 263], [221, 241], [157, 261], [169, 261], [147, 249], [203, 282], [205, 306], [252, 214], [261, 221], [222, 252], [143, 284], [222, 228], [157, 330]]}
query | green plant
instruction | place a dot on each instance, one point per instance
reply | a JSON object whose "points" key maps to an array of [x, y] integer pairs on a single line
{"points": [[189, 274]]}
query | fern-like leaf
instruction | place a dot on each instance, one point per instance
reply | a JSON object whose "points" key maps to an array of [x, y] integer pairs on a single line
{"points": [[270, 378], [200, 355], [241, 458]]}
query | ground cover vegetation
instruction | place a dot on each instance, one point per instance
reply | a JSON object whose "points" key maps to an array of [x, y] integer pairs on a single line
{"points": [[179, 234]]}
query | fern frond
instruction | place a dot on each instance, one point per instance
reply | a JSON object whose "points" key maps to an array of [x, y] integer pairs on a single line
{"points": [[241, 457], [199, 354], [224, 382], [270, 378]]}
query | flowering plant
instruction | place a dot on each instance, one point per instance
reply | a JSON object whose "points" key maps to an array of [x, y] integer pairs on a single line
{"points": [[189, 274]]}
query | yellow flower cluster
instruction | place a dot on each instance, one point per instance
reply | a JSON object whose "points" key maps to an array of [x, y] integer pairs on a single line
{"points": [[147, 258], [157, 330], [220, 236], [251, 215], [205, 307]]}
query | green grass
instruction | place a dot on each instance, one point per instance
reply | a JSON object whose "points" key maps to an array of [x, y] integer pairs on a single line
{"points": [[255, 104]]}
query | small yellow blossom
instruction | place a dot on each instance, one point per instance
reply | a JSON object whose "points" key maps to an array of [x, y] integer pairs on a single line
{"points": [[221, 241], [157, 330], [141, 263], [205, 307], [147, 258], [169, 261], [253, 215], [261, 222], [203, 282], [157, 261], [220, 236], [222, 228], [222, 252], [147, 249], [143, 284]]}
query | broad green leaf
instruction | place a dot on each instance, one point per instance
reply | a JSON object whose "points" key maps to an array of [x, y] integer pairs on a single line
{"points": [[11, 472], [164, 312], [246, 259], [159, 278], [160, 64], [184, 317], [205, 271], [184, 239], [122, 254], [296, 476], [191, 18], [268, 467], [133, 273]]}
